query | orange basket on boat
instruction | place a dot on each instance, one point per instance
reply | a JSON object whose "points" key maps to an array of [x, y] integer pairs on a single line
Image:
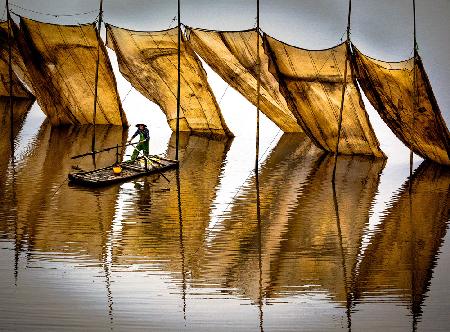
{"points": [[117, 169]]}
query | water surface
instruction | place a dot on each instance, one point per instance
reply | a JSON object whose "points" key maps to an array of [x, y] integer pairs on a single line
{"points": [[217, 247]]}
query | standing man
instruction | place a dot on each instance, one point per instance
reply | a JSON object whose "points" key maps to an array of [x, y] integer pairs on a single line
{"points": [[144, 138]]}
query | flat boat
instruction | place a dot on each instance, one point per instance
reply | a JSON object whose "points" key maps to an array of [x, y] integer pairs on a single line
{"points": [[106, 175]]}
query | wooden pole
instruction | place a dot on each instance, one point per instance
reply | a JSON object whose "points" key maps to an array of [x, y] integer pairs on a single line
{"points": [[100, 16], [258, 85], [411, 156], [178, 86], [10, 74], [344, 84]]}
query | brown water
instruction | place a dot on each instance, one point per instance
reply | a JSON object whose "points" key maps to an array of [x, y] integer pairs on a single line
{"points": [[207, 251]]}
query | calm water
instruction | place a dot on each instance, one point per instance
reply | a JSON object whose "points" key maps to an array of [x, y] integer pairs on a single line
{"points": [[208, 251]]}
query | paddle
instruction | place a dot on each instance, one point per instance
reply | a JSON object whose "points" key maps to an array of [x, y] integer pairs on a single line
{"points": [[103, 150], [151, 162]]}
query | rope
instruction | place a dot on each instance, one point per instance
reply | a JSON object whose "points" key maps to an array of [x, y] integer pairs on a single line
{"points": [[131, 88], [51, 14]]}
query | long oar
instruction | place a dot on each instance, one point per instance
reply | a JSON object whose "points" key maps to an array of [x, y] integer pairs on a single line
{"points": [[103, 150], [157, 169]]}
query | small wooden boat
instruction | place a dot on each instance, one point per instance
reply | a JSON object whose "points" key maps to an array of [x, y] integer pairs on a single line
{"points": [[106, 175]]}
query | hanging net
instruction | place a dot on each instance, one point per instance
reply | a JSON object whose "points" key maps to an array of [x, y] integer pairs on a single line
{"points": [[389, 86], [19, 70], [312, 82], [233, 56], [61, 61], [149, 61]]}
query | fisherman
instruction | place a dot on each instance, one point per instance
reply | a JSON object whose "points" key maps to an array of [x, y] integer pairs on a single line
{"points": [[144, 138]]}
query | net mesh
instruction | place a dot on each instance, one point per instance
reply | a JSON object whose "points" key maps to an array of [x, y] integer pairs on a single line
{"points": [[389, 86], [148, 60], [19, 70], [312, 82], [61, 61], [233, 56]]}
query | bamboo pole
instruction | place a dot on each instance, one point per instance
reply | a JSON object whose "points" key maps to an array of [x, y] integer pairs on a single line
{"points": [[258, 85], [344, 84], [178, 86], [100, 16], [411, 156], [258, 204], [10, 74]]}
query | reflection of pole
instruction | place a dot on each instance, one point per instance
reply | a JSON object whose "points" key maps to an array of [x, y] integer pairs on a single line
{"points": [[344, 84], [348, 296], [178, 85], [107, 270], [415, 298], [10, 74], [258, 85], [106, 254], [183, 272], [17, 242], [258, 217], [94, 120]]}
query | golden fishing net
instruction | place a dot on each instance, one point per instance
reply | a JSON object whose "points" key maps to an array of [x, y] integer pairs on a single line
{"points": [[312, 82], [389, 86], [233, 56], [148, 60], [61, 61], [19, 70]]}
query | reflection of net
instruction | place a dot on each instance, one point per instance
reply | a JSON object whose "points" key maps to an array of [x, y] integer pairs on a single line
{"points": [[403, 250], [149, 62], [19, 89], [389, 87], [311, 82], [61, 61], [233, 56]]}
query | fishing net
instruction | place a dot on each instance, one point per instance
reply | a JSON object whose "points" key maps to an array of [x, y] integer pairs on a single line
{"points": [[312, 82], [148, 60], [389, 86], [233, 56], [19, 70], [61, 61]]}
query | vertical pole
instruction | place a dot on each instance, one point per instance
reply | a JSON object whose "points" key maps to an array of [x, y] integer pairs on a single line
{"points": [[411, 156], [178, 86], [100, 16], [344, 84], [10, 74], [258, 85], [258, 206]]}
